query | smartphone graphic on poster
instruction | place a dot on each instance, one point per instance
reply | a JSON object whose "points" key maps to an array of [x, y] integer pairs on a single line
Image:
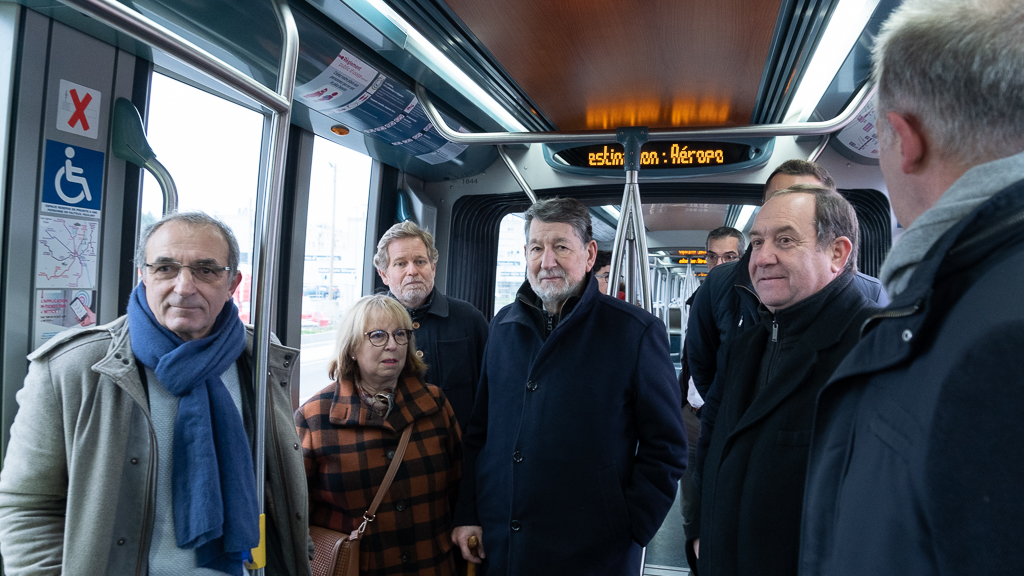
{"points": [[79, 309]]}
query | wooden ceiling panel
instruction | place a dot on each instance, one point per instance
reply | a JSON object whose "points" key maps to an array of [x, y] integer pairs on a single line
{"points": [[602, 64]]}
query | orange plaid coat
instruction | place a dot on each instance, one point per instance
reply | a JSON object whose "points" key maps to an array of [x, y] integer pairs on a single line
{"points": [[347, 447]]}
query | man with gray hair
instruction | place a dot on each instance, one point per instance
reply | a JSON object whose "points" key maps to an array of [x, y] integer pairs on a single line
{"points": [[916, 463], [576, 440], [131, 452], [450, 333], [803, 245]]}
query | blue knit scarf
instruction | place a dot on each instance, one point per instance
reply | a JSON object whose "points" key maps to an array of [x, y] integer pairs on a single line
{"points": [[214, 494]]}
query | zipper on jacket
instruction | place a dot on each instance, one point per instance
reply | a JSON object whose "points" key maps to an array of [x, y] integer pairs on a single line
{"points": [[988, 234], [775, 331], [153, 461], [900, 313]]}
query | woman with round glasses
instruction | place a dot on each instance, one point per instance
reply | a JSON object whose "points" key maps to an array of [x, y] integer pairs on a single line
{"points": [[349, 434]]}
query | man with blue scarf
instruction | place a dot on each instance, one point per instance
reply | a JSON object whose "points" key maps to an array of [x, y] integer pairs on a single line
{"points": [[132, 449]]}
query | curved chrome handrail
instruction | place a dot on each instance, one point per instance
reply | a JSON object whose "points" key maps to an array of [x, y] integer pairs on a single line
{"points": [[753, 131]]}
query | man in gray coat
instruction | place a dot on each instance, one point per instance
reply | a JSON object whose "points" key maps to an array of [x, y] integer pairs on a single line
{"points": [[131, 451]]}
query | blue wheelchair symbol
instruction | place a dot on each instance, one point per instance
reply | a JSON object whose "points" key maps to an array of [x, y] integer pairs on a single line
{"points": [[73, 176]]}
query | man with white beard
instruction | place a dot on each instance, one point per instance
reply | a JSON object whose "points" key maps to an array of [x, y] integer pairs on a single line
{"points": [[576, 440]]}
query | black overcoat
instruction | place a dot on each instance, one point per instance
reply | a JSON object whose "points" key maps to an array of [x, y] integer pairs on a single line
{"points": [[917, 460], [753, 474], [576, 442]]}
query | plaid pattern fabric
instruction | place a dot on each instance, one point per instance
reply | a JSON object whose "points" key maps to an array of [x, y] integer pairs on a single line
{"points": [[346, 449]]}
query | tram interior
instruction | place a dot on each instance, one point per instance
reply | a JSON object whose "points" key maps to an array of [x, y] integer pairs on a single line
{"points": [[362, 152]]}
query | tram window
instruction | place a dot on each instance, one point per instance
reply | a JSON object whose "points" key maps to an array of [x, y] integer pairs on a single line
{"points": [[339, 191], [211, 147], [511, 270]]}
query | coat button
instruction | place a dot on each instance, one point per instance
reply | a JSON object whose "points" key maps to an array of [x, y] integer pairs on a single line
{"points": [[298, 515], [118, 355], [295, 446], [284, 382], [419, 353], [516, 525], [907, 335], [415, 325], [406, 558], [391, 454], [121, 542], [531, 385], [287, 363], [125, 361], [135, 460], [400, 505], [517, 456]]}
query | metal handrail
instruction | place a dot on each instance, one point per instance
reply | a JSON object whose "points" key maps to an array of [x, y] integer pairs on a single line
{"points": [[128, 21], [753, 131], [278, 105]]}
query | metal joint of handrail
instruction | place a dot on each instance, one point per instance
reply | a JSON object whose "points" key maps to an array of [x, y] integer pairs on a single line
{"points": [[844, 118], [278, 105], [516, 174]]}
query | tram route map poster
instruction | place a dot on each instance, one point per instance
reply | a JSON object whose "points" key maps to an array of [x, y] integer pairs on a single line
{"points": [[66, 253], [58, 310], [356, 94]]}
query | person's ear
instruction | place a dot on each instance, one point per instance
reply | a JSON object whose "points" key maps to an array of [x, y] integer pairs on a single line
{"points": [[383, 277], [840, 253], [911, 141]]}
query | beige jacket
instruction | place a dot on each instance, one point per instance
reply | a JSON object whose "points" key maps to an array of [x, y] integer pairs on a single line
{"points": [[79, 476]]}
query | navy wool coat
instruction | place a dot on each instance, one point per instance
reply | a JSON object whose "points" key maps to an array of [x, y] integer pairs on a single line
{"points": [[576, 442]]}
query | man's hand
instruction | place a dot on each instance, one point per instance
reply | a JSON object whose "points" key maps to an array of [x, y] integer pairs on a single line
{"points": [[460, 537]]}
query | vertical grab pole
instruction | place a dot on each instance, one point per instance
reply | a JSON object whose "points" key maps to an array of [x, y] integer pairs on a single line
{"points": [[268, 222], [631, 220]]}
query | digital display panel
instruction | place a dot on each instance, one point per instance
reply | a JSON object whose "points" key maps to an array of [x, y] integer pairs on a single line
{"points": [[692, 261], [663, 155]]}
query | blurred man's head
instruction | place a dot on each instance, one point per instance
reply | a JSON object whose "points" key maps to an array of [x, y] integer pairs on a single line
{"points": [[950, 94], [724, 244], [796, 171], [802, 239]]}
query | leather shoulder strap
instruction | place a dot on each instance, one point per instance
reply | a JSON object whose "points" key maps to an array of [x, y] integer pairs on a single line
{"points": [[392, 470]]}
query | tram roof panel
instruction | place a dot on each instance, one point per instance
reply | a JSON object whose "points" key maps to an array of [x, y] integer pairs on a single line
{"points": [[602, 64]]}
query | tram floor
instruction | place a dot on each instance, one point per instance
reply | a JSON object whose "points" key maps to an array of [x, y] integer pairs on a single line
{"points": [[666, 554]]}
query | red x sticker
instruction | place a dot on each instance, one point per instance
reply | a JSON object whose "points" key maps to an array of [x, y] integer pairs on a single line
{"points": [[78, 109]]}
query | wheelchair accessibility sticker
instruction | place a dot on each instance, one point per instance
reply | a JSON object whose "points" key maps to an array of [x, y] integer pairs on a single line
{"points": [[72, 180]]}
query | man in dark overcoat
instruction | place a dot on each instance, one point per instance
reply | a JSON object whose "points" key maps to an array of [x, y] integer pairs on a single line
{"points": [[917, 459], [802, 265], [576, 441], [450, 333]]}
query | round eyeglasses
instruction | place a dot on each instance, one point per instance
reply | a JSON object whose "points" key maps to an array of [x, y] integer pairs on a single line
{"points": [[379, 338]]}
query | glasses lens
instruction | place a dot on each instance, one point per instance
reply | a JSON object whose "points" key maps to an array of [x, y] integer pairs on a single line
{"points": [[378, 337], [206, 273], [165, 270], [401, 337]]}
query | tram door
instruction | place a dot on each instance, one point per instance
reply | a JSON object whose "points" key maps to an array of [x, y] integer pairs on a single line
{"points": [[67, 217]]}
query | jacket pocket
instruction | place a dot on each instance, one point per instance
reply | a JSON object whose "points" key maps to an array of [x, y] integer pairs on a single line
{"points": [[614, 503]]}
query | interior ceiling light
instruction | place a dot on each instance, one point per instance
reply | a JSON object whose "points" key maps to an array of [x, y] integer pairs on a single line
{"points": [[420, 48], [339, 130], [844, 28], [745, 213]]}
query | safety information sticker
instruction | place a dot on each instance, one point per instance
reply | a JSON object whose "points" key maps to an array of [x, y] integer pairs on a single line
{"points": [[72, 180]]}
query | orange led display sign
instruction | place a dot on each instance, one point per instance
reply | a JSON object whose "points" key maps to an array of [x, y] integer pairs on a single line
{"points": [[693, 261], [692, 252], [666, 155]]}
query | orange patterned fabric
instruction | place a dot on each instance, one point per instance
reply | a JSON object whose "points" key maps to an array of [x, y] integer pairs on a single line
{"points": [[346, 449]]}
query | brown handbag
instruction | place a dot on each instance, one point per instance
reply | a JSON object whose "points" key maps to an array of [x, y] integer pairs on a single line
{"points": [[336, 553]]}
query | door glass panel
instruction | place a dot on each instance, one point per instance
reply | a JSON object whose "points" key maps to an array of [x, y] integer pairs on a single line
{"points": [[511, 270], [211, 147], [335, 233]]}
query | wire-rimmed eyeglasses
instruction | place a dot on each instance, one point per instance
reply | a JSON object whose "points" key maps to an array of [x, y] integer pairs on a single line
{"points": [[169, 270]]}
